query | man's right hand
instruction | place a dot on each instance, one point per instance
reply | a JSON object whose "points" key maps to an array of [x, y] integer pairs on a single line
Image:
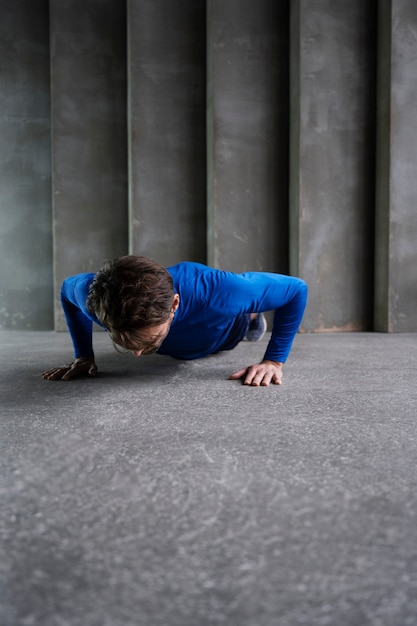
{"points": [[79, 367]]}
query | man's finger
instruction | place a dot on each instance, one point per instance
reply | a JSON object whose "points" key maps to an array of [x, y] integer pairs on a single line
{"points": [[93, 370], [253, 378], [54, 374], [75, 370], [238, 374], [50, 372], [68, 375]]}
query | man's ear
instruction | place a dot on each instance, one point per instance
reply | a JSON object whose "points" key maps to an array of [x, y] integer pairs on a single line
{"points": [[176, 302]]}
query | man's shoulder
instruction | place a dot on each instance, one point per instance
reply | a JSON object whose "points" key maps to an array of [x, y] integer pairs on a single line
{"points": [[187, 270], [78, 280], [194, 279], [192, 266]]}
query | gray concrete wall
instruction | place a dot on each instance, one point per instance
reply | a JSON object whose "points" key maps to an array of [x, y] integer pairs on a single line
{"points": [[207, 130], [332, 162], [396, 215], [167, 145], [25, 198], [248, 135], [89, 136]]}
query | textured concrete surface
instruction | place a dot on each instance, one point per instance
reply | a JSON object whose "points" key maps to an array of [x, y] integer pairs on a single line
{"points": [[396, 217], [167, 129], [25, 167], [163, 494], [247, 134], [332, 159], [123, 88], [89, 137]]}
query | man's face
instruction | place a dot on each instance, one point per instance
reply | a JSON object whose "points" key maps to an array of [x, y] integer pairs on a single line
{"points": [[153, 336]]}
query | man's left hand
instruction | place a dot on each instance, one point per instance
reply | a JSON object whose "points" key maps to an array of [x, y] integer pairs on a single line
{"points": [[261, 374]]}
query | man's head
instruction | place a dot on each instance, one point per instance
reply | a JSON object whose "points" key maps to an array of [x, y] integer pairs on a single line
{"points": [[133, 297]]}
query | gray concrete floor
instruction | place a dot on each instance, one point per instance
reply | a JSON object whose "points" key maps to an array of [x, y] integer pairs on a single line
{"points": [[163, 494]]}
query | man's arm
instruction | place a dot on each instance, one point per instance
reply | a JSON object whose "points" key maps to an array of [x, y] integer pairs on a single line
{"points": [[80, 325], [287, 296]]}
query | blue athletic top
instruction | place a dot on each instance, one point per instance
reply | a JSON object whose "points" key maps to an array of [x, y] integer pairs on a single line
{"points": [[210, 302]]}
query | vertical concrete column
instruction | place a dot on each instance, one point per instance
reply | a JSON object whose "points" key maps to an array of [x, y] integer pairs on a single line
{"points": [[248, 134], [89, 138], [396, 215], [167, 158], [25, 202], [332, 159]]}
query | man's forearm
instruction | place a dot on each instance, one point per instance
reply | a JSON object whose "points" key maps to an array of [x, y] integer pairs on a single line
{"points": [[81, 330]]}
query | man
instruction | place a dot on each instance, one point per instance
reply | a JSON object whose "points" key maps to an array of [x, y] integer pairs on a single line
{"points": [[187, 311]]}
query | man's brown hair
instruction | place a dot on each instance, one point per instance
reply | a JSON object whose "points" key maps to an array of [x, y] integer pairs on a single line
{"points": [[129, 294]]}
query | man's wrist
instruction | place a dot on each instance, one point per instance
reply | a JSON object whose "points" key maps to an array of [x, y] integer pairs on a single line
{"points": [[277, 363]]}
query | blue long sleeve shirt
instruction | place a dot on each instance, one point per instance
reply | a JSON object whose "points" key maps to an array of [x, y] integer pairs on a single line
{"points": [[210, 301]]}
